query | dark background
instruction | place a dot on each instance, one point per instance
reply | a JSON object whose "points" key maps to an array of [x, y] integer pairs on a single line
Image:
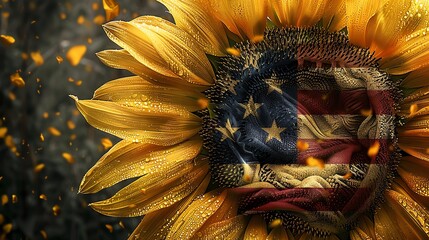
{"points": [[52, 27]]}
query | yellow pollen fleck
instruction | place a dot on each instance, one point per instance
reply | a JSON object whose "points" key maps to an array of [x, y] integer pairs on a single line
{"points": [[95, 6], [374, 149], [233, 51], [43, 197], [44, 234], [81, 19], [56, 210], [275, 223], [37, 58], [106, 143], [54, 132], [143, 191], [14, 198], [109, 227], [315, 162], [75, 54], [4, 199], [59, 59], [68, 157], [41, 137], [39, 167], [7, 40], [302, 145], [3, 131], [7, 228], [17, 80], [121, 224]]}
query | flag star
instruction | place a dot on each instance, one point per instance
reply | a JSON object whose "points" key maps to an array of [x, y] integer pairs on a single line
{"points": [[273, 132], [251, 107], [227, 131], [231, 88], [274, 86]]}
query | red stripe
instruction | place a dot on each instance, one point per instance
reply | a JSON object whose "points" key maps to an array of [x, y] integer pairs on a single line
{"points": [[303, 199], [320, 102]]}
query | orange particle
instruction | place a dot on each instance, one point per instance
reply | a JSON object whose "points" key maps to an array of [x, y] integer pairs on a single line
{"points": [[366, 112], [59, 59], [4, 199], [109, 227], [56, 210], [315, 162], [80, 19], [106, 143], [3, 131], [99, 19], [78, 83], [39, 167], [302, 145], [73, 137], [7, 228], [54, 132], [111, 7], [12, 96], [17, 80], [45, 115], [374, 149], [24, 56], [203, 102], [71, 125], [43, 197], [95, 6], [9, 141], [63, 16], [89, 40], [41, 137], [7, 40], [68, 157], [233, 51], [75, 54], [44, 234], [1, 219], [37, 58]]}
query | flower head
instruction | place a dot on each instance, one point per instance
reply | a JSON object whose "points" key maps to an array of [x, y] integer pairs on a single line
{"points": [[268, 118]]}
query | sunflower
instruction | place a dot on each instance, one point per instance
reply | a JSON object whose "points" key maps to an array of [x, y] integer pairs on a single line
{"points": [[268, 119]]}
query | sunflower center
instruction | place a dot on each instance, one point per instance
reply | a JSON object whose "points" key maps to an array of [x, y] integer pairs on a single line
{"points": [[302, 125]]}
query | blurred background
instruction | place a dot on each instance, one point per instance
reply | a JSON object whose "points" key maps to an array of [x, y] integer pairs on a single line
{"points": [[47, 51]]}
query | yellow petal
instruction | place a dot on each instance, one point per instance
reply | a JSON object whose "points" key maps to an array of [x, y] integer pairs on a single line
{"points": [[139, 93], [245, 18], [156, 225], [286, 13], [111, 7], [153, 125], [359, 234], [195, 17], [417, 78], [197, 213], [406, 214], [359, 14], [367, 226], [278, 233], [127, 160], [136, 43], [180, 50], [334, 16], [121, 59], [256, 229], [413, 172], [154, 191], [232, 228]]}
